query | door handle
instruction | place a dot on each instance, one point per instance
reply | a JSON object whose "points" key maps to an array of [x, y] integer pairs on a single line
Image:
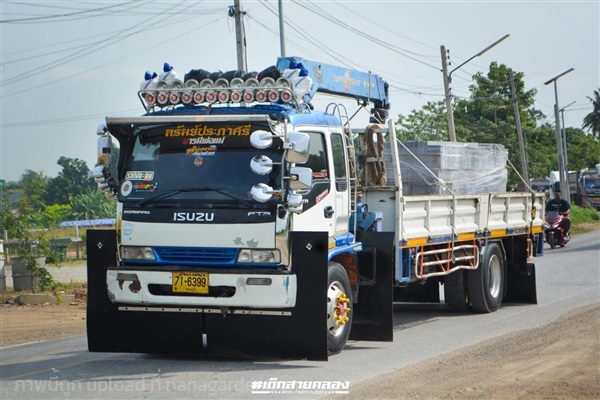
{"points": [[328, 212]]}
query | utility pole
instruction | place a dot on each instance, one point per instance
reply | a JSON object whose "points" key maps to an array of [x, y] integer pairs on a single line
{"points": [[448, 80], [563, 171], [524, 169], [281, 32], [564, 135], [240, 35], [448, 97]]}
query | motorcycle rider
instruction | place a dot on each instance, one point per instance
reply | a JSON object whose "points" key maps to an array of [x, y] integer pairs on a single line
{"points": [[562, 207]]}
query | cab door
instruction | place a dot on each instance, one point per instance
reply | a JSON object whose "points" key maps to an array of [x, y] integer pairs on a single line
{"points": [[340, 183], [318, 211]]}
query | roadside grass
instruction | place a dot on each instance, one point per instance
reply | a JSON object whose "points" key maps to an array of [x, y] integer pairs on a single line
{"points": [[584, 219]]}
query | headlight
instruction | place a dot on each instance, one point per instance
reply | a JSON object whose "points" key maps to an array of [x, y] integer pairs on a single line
{"points": [[248, 256], [137, 253]]}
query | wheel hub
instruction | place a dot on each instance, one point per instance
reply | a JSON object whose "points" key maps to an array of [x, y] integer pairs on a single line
{"points": [[338, 312], [341, 309], [495, 276]]}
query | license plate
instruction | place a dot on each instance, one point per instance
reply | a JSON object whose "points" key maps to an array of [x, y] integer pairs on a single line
{"points": [[190, 282]]}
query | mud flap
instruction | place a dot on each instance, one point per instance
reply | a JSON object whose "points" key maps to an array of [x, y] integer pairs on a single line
{"points": [[111, 330], [426, 292], [521, 285], [373, 318], [301, 335]]}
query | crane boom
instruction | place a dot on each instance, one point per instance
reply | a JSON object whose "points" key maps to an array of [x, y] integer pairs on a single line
{"points": [[345, 82]]}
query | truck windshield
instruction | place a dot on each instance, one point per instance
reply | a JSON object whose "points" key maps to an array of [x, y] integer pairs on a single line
{"points": [[196, 163], [592, 184]]}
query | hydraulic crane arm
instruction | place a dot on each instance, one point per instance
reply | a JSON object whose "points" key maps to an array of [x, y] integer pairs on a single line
{"points": [[345, 82]]}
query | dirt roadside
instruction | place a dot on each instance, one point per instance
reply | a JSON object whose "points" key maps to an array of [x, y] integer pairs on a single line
{"points": [[26, 324], [560, 360]]}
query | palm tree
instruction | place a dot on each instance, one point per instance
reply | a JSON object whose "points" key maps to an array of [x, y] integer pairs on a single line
{"points": [[591, 121]]}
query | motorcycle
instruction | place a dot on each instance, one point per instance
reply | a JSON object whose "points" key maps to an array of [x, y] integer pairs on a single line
{"points": [[554, 230]]}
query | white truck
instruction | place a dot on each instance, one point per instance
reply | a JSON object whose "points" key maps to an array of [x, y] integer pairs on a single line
{"points": [[250, 224]]}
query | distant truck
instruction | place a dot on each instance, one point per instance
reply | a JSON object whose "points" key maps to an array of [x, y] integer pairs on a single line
{"points": [[250, 223], [573, 182], [541, 185], [588, 188]]}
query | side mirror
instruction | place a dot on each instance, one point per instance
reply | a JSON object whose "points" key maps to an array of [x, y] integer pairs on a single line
{"points": [[104, 145], [294, 203], [298, 146], [98, 173], [300, 178], [101, 130]]}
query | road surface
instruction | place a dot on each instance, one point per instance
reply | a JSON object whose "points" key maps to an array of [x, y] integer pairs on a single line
{"points": [[568, 279]]}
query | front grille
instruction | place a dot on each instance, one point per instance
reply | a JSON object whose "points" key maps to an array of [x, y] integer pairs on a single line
{"points": [[201, 255]]}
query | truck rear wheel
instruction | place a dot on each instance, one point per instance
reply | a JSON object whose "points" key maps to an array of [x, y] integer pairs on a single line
{"points": [[486, 283], [339, 315], [455, 291]]}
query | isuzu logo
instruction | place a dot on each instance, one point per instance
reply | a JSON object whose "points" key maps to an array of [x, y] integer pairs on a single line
{"points": [[193, 217]]}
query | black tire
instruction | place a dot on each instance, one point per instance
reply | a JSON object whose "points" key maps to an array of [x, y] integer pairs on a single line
{"points": [[455, 291], [339, 304], [551, 240], [486, 283]]}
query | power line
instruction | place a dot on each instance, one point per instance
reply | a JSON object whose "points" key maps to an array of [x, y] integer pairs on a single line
{"points": [[141, 29], [76, 55], [63, 120], [394, 83], [315, 41], [46, 18], [105, 64], [363, 17], [329, 17]]}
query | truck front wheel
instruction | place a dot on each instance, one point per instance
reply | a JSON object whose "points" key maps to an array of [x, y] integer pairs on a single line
{"points": [[339, 313], [486, 283]]}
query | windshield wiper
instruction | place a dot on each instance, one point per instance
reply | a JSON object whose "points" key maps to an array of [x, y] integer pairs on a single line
{"points": [[173, 192], [224, 193], [170, 193]]}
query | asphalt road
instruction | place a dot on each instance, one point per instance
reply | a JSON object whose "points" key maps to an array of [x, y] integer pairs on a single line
{"points": [[568, 278]]}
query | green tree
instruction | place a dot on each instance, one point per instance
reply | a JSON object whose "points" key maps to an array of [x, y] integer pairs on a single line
{"points": [[18, 219], [92, 204], [34, 186], [591, 121], [541, 150], [428, 123], [74, 179], [583, 151], [56, 213]]}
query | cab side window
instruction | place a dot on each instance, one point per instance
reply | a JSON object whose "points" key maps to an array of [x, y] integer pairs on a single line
{"points": [[317, 159], [339, 162]]}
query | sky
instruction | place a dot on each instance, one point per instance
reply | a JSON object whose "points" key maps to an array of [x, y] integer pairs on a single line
{"points": [[65, 66]]}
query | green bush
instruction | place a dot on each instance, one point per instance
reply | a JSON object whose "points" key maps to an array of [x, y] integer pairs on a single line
{"points": [[583, 214]]}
